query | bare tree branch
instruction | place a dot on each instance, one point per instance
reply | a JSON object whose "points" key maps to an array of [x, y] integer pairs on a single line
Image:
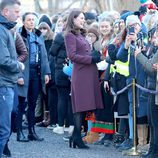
{"points": [[38, 8], [50, 6], [84, 4], [69, 6]]}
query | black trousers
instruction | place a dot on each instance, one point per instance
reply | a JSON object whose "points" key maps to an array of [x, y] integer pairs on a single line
{"points": [[33, 91], [21, 109], [64, 105], [52, 103]]}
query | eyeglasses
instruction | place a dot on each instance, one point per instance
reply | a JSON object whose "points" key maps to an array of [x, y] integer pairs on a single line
{"points": [[91, 35]]}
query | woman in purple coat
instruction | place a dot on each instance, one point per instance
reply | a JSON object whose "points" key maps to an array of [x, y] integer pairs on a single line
{"points": [[85, 89]]}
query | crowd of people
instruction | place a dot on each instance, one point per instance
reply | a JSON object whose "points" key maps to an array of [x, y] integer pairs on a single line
{"points": [[62, 72]]}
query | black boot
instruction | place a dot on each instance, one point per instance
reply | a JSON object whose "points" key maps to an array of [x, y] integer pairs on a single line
{"points": [[76, 139], [33, 136], [21, 137], [77, 143], [6, 151]]}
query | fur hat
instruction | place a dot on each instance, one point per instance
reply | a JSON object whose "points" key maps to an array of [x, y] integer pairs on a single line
{"points": [[132, 19], [93, 30]]}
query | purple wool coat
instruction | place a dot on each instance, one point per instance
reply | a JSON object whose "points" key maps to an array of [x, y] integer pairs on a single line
{"points": [[85, 88]]}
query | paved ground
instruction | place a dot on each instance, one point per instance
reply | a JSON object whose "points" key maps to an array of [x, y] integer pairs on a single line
{"points": [[54, 147]]}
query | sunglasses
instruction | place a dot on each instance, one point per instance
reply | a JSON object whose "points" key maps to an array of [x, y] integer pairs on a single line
{"points": [[42, 28]]}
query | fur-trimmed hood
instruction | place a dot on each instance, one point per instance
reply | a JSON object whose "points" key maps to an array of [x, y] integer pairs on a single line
{"points": [[23, 32]]}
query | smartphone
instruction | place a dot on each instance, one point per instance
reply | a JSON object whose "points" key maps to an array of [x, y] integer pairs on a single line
{"points": [[131, 30]]}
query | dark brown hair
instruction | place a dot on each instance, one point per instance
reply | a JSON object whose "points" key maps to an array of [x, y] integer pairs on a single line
{"points": [[70, 27], [28, 13], [124, 34], [5, 3]]}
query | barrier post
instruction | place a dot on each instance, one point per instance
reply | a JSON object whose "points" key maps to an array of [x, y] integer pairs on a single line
{"points": [[133, 151]]}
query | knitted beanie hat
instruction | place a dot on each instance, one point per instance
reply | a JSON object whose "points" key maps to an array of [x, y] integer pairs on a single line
{"points": [[93, 30], [45, 19], [132, 19]]}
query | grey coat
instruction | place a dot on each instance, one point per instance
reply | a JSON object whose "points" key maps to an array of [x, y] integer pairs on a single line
{"points": [[43, 63], [9, 66], [148, 65]]}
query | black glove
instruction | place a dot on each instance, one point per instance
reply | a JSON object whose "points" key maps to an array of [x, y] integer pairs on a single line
{"points": [[112, 51], [96, 59]]}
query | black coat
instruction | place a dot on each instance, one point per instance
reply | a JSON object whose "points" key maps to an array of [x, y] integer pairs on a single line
{"points": [[58, 51], [51, 59], [118, 82]]}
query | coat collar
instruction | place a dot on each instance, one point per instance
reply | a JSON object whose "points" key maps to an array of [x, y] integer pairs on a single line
{"points": [[24, 32], [7, 24]]}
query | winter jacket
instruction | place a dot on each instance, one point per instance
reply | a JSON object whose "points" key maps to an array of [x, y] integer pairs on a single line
{"points": [[148, 66], [136, 71], [44, 68], [58, 51], [9, 66]]}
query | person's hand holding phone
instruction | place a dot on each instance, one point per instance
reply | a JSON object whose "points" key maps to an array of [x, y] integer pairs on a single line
{"points": [[131, 36], [129, 39]]}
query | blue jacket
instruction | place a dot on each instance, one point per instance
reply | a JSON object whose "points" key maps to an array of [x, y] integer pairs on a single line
{"points": [[136, 71]]}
